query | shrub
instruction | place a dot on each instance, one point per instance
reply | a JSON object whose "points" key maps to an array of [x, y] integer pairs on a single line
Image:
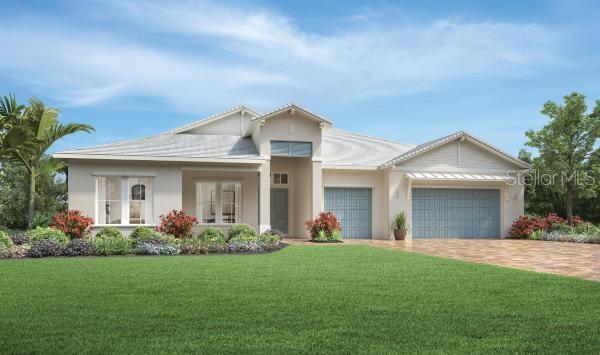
{"points": [[333, 237], [525, 225], [193, 246], [73, 223], [111, 232], [5, 240], [212, 235], [143, 234], [42, 219], [80, 247], [112, 245], [562, 227], [244, 247], [538, 234], [45, 247], [158, 246], [42, 233], [552, 219], [269, 239], [325, 221], [582, 228], [576, 220], [20, 238], [16, 251], [241, 230], [177, 224], [244, 237]]}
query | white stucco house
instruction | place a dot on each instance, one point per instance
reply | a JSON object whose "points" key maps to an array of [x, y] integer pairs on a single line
{"points": [[281, 168]]}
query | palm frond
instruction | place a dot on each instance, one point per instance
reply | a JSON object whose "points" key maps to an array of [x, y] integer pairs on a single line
{"points": [[49, 165]]}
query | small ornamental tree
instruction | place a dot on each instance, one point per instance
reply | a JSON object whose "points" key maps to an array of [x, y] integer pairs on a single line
{"points": [[73, 223], [325, 221], [177, 224]]}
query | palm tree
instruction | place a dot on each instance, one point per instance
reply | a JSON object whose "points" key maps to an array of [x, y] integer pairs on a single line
{"points": [[29, 134]]}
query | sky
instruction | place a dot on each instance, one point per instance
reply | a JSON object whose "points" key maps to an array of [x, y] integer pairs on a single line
{"points": [[409, 71]]}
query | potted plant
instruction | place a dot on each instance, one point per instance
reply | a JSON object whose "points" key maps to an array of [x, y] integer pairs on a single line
{"points": [[400, 226]]}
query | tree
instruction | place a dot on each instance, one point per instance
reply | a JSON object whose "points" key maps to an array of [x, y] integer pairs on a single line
{"points": [[566, 143], [29, 135]]}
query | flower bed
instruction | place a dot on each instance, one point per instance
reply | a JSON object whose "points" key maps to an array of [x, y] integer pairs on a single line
{"points": [[554, 228]]}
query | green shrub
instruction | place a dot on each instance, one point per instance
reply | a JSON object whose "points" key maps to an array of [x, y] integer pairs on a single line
{"points": [[112, 245], [538, 234], [193, 246], [45, 247], [212, 235], [587, 229], [241, 230], [268, 238], [562, 227], [43, 233], [334, 237], [42, 219], [5, 240], [111, 232], [143, 234]]}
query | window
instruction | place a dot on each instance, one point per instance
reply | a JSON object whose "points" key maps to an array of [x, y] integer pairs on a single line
{"points": [[218, 202], [279, 178], [123, 200], [291, 149]]}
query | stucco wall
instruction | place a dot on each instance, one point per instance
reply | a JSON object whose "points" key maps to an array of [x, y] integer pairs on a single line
{"points": [[288, 127], [372, 179], [82, 184]]}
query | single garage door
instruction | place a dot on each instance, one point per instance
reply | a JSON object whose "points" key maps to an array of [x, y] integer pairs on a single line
{"points": [[455, 213], [352, 207]]}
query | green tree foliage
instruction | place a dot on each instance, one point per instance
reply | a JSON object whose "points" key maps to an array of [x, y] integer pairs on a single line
{"points": [[27, 134], [50, 195], [565, 145]]}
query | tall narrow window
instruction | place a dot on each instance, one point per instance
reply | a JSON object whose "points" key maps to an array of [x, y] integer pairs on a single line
{"points": [[109, 200], [206, 202], [140, 200], [230, 195]]}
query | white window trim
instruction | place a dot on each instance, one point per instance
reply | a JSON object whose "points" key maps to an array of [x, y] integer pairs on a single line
{"points": [[279, 172], [219, 202], [124, 202]]}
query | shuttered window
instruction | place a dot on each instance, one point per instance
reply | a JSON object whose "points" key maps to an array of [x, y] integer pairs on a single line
{"points": [[291, 149]]}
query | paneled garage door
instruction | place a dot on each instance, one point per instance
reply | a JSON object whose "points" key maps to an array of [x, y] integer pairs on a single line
{"points": [[455, 213], [352, 206]]}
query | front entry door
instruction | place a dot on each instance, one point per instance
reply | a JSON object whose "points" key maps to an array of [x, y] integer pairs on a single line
{"points": [[279, 210]]}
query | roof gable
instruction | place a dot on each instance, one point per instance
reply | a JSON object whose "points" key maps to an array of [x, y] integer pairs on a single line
{"points": [[212, 122], [461, 135], [292, 106]]}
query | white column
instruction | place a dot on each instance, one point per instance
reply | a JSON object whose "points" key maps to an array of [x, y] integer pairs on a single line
{"points": [[317, 188], [264, 200]]}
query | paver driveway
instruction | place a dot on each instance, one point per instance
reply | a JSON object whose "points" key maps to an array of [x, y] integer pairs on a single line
{"points": [[571, 259]]}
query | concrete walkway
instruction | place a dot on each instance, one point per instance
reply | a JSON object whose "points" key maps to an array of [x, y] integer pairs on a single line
{"points": [[569, 259]]}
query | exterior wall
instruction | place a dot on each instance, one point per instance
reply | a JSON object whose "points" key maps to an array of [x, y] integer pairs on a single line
{"points": [[288, 127], [234, 124], [250, 183], [372, 179], [458, 157], [82, 185]]}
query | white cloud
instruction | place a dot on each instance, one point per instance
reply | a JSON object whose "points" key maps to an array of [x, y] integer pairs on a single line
{"points": [[257, 55]]}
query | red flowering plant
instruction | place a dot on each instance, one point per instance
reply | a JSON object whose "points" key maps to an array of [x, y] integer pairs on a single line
{"points": [[553, 219], [525, 225], [73, 223], [326, 222], [177, 224]]}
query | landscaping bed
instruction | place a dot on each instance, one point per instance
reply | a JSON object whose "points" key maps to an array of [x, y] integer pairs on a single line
{"points": [[555, 228]]}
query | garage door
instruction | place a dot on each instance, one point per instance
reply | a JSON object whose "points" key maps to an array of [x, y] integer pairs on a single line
{"points": [[352, 206], [456, 213]]}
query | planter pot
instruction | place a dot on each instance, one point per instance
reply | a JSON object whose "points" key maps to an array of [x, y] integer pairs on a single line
{"points": [[399, 234]]}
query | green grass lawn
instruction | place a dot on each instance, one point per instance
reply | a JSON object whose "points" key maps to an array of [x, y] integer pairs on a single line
{"points": [[301, 299]]}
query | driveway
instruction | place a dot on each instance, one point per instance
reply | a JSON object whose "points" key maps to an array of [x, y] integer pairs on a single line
{"points": [[569, 259]]}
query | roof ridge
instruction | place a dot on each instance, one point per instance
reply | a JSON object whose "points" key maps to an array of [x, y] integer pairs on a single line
{"points": [[373, 137], [288, 105], [207, 118]]}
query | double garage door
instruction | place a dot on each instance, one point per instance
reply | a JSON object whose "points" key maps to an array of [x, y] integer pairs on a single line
{"points": [[455, 213], [353, 208]]}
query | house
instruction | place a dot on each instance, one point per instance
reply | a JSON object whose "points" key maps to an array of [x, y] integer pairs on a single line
{"points": [[281, 168]]}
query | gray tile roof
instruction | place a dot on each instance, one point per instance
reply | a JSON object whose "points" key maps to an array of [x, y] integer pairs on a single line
{"points": [[342, 148], [178, 145], [287, 106]]}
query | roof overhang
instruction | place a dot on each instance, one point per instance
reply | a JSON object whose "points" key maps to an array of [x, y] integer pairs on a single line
{"points": [[215, 117], [456, 177], [67, 156], [292, 108]]}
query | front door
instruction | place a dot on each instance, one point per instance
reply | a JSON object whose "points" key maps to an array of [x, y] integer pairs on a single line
{"points": [[279, 210]]}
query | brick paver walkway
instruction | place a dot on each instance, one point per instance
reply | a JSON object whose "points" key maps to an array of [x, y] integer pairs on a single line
{"points": [[570, 259]]}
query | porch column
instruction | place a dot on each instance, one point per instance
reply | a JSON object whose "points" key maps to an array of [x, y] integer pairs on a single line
{"points": [[264, 200], [317, 188]]}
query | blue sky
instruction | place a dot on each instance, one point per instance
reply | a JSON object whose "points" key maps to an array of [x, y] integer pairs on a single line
{"points": [[409, 71]]}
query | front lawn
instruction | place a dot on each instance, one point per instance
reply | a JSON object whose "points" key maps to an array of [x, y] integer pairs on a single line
{"points": [[338, 298]]}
